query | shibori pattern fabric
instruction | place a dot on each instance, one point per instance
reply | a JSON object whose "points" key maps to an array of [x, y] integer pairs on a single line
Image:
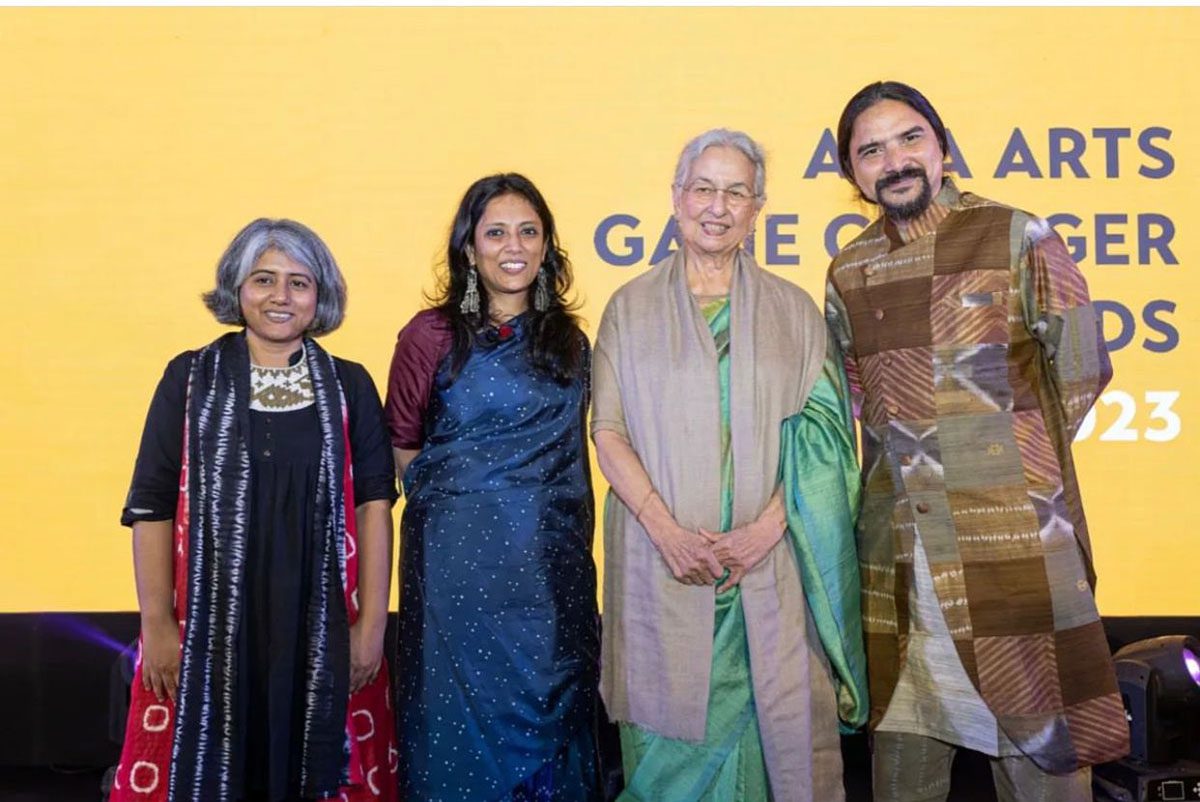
{"points": [[974, 354], [183, 753]]}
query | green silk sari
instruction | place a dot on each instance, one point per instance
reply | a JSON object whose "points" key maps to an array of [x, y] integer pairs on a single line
{"points": [[818, 470], [817, 447], [729, 764]]}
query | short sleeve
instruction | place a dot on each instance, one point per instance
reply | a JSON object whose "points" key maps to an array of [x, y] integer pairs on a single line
{"points": [[420, 348], [374, 466], [154, 490], [607, 412]]}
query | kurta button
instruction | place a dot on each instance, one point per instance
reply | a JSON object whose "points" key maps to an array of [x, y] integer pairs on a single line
{"points": [[887, 360], [267, 453], [893, 410], [879, 314], [906, 459], [922, 507], [869, 270]]}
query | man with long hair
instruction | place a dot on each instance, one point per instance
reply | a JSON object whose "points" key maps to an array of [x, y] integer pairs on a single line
{"points": [[974, 353]]}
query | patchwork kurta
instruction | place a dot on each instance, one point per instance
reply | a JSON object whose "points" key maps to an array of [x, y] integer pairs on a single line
{"points": [[974, 353]]}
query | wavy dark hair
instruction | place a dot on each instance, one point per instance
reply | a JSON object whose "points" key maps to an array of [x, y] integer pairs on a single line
{"points": [[867, 97], [556, 339]]}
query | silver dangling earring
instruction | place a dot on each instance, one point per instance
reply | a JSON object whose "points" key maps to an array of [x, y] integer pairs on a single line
{"points": [[470, 301], [541, 295]]}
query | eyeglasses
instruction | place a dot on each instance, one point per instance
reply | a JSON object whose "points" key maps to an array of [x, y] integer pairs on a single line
{"points": [[703, 193]]}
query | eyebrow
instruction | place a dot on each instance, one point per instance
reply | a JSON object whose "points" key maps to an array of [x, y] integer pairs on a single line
{"points": [[270, 272], [712, 183], [875, 142]]}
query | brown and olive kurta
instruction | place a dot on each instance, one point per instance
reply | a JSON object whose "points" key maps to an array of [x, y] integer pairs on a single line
{"points": [[974, 353]]}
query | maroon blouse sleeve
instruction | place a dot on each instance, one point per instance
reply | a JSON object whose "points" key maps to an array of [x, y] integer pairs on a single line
{"points": [[420, 347]]}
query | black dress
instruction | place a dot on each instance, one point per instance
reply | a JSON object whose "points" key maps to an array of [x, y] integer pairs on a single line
{"points": [[285, 451]]}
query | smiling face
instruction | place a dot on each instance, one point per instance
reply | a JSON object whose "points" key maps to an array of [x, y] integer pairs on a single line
{"points": [[508, 249], [896, 159], [279, 300], [713, 221]]}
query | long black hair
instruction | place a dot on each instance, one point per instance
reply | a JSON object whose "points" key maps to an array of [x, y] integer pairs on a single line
{"points": [[556, 340], [867, 97]]}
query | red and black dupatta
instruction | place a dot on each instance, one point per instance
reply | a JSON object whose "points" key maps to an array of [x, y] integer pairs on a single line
{"points": [[183, 751]]}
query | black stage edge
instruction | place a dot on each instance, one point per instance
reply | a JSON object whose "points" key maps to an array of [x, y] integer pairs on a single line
{"points": [[56, 684]]}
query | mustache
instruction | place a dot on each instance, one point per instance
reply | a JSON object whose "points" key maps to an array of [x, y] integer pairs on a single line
{"points": [[900, 175]]}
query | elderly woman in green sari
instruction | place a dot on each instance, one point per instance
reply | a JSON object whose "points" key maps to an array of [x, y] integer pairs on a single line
{"points": [[732, 643]]}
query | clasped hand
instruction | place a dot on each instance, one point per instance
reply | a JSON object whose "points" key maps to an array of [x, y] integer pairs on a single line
{"points": [[701, 558]]}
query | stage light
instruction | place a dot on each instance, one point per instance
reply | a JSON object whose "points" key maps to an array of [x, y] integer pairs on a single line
{"points": [[1160, 685], [1159, 680], [1193, 665]]}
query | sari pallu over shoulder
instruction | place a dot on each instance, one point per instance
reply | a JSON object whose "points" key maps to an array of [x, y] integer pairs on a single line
{"points": [[655, 362], [184, 750], [819, 471]]}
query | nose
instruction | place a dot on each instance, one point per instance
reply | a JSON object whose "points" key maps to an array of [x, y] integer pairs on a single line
{"points": [[281, 293], [891, 159], [719, 203]]}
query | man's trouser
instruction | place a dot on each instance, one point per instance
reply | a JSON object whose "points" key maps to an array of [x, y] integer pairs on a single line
{"points": [[913, 768]]}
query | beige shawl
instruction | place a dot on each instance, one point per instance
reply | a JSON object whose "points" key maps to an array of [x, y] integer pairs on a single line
{"points": [[655, 383]]}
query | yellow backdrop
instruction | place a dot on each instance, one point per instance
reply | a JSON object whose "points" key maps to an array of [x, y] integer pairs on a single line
{"points": [[136, 142]]}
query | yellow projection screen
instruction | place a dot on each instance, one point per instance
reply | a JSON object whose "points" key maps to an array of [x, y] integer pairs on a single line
{"points": [[136, 142]]}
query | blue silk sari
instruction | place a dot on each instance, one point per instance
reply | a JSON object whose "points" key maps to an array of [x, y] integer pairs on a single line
{"points": [[499, 644]]}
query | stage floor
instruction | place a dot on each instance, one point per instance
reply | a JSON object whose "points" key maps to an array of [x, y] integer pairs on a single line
{"points": [[49, 785], [972, 780]]}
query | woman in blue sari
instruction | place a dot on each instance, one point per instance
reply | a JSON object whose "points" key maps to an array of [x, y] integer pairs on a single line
{"points": [[487, 399]]}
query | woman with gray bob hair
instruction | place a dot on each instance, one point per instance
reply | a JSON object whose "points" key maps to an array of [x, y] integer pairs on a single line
{"points": [[302, 245], [261, 510]]}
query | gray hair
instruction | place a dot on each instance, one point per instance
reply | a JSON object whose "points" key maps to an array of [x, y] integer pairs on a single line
{"points": [[301, 245], [724, 137]]}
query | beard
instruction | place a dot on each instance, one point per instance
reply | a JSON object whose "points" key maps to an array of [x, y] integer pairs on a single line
{"points": [[909, 210]]}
